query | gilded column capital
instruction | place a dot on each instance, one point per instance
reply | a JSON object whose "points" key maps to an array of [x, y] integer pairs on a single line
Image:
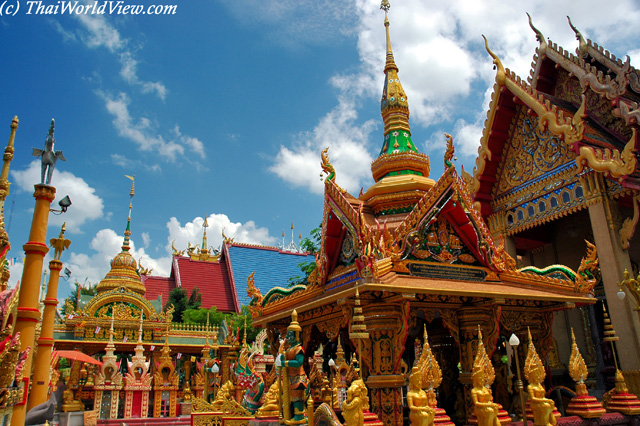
{"points": [[44, 191]]}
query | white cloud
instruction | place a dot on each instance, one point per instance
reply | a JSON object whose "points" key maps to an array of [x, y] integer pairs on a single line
{"points": [[142, 132], [195, 144], [300, 164], [129, 72], [100, 33], [192, 233], [146, 239], [96, 31], [86, 205]]}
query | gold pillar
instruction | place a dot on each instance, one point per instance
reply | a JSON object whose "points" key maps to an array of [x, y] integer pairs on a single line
{"points": [[4, 191], [41, 374], [28, 313], [387, 325], [469, 318], [611, 254]]}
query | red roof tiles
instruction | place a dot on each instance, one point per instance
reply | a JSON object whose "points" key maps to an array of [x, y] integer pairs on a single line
{"points": [[211, 279]]}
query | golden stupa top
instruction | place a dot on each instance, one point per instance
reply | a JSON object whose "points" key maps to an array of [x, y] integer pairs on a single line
{"points": [[394, 105], [124, 268]]}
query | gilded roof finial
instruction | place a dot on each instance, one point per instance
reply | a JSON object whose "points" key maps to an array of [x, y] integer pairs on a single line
{"points": [[205, 225], [582, 44], [539, 36], [501, 75], [127, 232], [394, 105], [140, 330]]}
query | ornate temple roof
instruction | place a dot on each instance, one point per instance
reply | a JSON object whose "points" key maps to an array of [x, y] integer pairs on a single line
{"points": [[124, 268], [223, 282], [579, 111]]}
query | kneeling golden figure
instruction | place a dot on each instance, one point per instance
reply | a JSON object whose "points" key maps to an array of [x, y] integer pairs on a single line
{"points": [[420, 413]]}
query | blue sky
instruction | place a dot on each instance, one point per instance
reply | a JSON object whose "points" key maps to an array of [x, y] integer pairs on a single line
{"points": [[222, 108]]}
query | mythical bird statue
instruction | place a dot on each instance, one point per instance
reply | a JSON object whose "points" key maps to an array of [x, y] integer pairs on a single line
{"points": [[49, 156]]}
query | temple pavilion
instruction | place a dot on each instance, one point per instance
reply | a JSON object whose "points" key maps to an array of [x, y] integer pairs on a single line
{"points": [[556, 167]]}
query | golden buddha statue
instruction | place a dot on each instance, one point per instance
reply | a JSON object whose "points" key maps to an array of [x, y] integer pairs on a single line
{"points": [[541, 406], [270, 407], [485, 410], [224, 394], [420, 413], [356, 404]]}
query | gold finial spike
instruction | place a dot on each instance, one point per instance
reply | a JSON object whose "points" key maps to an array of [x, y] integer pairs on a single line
{"points": [[425, 332], [244, 340], [539, 35], [133, 178], [501, 75], [390, 62], [140, 331], [205, 225], [582, 44]]}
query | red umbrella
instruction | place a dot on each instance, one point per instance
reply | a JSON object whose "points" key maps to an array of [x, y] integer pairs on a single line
{"points": [[77, 355]]}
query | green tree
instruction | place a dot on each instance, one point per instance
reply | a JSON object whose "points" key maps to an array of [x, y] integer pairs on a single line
{"points": [[311, 245], [86, 289], [178, 298]]}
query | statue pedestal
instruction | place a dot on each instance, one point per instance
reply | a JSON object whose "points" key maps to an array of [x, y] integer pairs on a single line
{"points": [[264, 422], [72, 418], [441, 418], [625, 403], [585, 406], [185, 409]]}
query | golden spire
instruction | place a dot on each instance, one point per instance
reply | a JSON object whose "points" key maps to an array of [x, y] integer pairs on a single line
{"points": [[394, 105], [127, 232], [124, 268], [205, 225]]}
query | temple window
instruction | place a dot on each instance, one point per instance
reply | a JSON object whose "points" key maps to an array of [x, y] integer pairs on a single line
{"points": [[554, 202], [510, 219], [579, 191], [530, 211], [566, 197], [542, 206], [520, 215]]}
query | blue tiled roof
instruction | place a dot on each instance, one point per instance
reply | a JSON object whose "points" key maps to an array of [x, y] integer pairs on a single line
{"points": [[272, 267]]}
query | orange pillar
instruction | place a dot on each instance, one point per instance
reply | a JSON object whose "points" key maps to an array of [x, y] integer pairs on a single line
{"points": [[28, 313], [42, 363]]}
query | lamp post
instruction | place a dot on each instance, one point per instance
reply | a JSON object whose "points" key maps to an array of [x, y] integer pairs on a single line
{"points": [[215, 370], [514, 342], [332, 366]]}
